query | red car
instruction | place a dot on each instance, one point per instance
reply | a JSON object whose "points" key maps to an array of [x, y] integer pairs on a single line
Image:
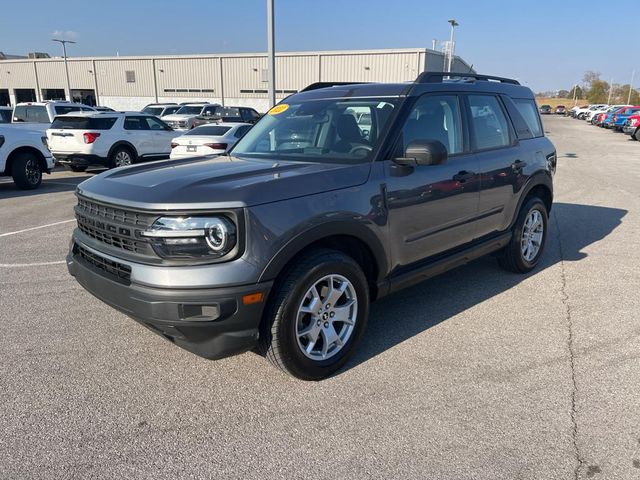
{"points": [[632, 127]]}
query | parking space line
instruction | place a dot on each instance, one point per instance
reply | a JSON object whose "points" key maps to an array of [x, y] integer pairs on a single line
{"points": [[38, 264], [36, 228]]}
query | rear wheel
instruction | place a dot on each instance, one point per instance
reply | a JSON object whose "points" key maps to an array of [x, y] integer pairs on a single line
{"points": [[121, 157], [26, 171], [317, 315], [524, 251]]}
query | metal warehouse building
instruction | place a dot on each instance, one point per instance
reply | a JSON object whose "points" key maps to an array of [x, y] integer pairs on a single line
{"points": [[129, 83]]}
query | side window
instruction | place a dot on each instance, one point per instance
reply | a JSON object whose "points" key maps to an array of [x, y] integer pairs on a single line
{"points": [[135, 123], [241, 131], [489, 124], [209, 110], [434, 117], [154, 124], [529, 112]]}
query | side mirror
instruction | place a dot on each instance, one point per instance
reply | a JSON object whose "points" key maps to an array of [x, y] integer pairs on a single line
{"points": [[424, 152]]}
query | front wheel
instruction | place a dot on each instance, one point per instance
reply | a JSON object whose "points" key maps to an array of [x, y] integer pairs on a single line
{"points": [[26, 171], [636, 135], [524, 251], [317, 316]]}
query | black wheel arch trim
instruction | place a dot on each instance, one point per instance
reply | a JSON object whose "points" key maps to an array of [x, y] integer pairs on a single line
{"points": [[540, 178], [325, 231], [42, 160]]}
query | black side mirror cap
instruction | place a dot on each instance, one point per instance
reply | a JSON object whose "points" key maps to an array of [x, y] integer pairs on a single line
{"points": [[424, 152]]}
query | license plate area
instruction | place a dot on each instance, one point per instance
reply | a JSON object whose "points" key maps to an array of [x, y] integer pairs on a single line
{"points": [[192, 148]]}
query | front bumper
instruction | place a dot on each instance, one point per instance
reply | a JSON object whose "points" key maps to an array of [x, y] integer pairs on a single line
{"points": [[80, 159], [211, 322], [629, 130]]}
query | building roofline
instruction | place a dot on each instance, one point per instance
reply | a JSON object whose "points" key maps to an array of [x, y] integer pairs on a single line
{"points": [[229, 55]]}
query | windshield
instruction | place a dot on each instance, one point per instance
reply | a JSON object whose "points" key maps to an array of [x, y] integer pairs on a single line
{"points": [[189, 110], [153, 110], [213, 130], [336, 130]]}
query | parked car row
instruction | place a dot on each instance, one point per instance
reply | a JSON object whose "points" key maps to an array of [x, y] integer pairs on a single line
{"points": [[621, 118], [190, 115], [547, 110]]}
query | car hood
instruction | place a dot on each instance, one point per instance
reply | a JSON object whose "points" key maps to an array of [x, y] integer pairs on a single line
{"points": [[173, 117], [220, 182]]}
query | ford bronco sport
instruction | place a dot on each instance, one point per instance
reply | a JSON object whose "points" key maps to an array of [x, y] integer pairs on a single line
{"points": [[281, 245]]}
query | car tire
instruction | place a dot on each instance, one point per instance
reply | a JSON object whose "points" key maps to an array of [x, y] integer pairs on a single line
{"points": [[636, 135], [26, 170], [121, 157], [526, 247], [289, 326]]}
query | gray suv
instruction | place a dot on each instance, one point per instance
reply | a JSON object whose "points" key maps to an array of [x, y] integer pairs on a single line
{"points": [[338, 196]]}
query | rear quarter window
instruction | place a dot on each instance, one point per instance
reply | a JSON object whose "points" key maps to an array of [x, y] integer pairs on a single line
{"points": [[529, 112], [84, 123]]}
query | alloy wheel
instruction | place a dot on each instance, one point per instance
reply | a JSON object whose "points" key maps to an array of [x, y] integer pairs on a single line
{"points": [[532, 234], [326, 317]]}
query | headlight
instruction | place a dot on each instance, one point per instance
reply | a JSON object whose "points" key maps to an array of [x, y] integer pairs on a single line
{"points": [[192, 237]]}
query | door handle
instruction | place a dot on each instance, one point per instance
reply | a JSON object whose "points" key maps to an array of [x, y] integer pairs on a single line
{"points": [[518, 165], [463, 176]]}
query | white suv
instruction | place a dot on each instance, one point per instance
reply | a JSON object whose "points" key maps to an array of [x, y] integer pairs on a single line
{"points": [[45, 112], [184, 118], [111, 139], [24, 156]]}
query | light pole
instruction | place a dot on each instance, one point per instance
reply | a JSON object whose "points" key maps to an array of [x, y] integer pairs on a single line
{"points": [[453, 24], [633, 74], [271, 54], [610, 92], [66, 67]]}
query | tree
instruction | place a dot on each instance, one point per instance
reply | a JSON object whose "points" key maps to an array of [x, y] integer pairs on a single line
{"points": [[622, 95], [577, 92], [599, 91], [589, 78], [563, 94]]}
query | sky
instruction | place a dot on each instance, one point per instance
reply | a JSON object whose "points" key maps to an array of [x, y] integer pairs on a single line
{"points": [[547, 45]]}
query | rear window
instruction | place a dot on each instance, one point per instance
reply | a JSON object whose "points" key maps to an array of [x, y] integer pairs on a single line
{"points": [[153, 110], [31, 114], [84, 123], [529, 112], [66, 109], [214, 130]]}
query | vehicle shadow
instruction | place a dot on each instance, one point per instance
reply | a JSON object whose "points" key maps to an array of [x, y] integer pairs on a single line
{"points": [[405, 314], [50, 184]]}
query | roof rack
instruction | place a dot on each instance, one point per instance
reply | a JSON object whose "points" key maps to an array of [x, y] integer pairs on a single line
{"points": [[317, 85], [438, 77]]}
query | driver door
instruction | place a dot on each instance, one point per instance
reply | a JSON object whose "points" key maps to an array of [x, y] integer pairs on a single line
{"points": [[432, 208]]}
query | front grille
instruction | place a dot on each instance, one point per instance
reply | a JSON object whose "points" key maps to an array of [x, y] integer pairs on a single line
{"points": [[108, 268], [117, 227]]}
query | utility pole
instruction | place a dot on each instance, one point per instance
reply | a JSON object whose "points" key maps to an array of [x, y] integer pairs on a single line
{"points": [[271, 53], [575, 94], [633, 74], [610, 92], [453, 24], [66, 67]]}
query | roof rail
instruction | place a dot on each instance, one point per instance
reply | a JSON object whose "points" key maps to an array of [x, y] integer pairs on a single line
{"points": [[317, 85], [438, 77]]}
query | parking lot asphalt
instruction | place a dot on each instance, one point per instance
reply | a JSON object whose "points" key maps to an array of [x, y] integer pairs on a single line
{"points": [[476, 374]]}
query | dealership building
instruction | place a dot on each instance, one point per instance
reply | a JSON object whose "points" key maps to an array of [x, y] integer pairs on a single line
{"points": [[130, 83]]}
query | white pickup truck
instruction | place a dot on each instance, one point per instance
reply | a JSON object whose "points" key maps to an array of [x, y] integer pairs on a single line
{"points": [[24, 155]]}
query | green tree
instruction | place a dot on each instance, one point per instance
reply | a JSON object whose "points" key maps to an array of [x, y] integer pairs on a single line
{"points": [[563, 94], [599, 91], [589, 78], [577, 91]]}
